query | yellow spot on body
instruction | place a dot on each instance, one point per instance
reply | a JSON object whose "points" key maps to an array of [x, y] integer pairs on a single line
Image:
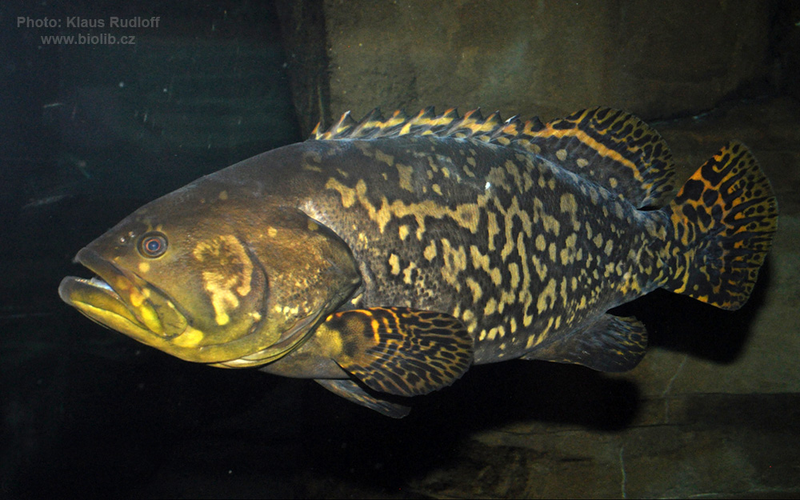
{"points": [[404, 175], [568, 203], [403, 232], [582, 162], [407, 273], [223, 195], [551, 250], [609, 247], [222, 317], [312, 226], [144, 267], [437, 189], [271, 231], [455, 261], [383, 157], [493, 229], [541, 243], [394, 261], [430, 251], [561, 154], [550, 223], [618, 209], [475, 287], [191, 337], [491, 307], [547, 297], [568, 252], [347, 194], [513, 270]]}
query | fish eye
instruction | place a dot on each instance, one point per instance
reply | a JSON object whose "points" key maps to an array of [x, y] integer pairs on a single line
{"points": [[152, 245]]}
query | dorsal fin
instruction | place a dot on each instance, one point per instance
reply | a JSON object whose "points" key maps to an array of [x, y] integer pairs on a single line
{"points": [[610, 147], [426, 122]]}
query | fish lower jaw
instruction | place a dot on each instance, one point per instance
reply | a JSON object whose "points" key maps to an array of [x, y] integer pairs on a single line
{"points": [[99, 283], [98, 300]]}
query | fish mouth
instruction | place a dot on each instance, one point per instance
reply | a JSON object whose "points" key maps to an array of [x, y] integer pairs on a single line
{"points": [[121, 300]]}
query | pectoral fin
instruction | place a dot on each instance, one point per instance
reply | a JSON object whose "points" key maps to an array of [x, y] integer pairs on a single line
{"points": [[612, 344], [351, 391], [400, 351]]}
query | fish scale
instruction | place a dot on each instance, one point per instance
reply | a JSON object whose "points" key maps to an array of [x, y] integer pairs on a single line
{"points": [[384, 257]]}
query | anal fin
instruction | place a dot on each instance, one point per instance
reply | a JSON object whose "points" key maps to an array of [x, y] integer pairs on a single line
{"points": [[611, 344]]}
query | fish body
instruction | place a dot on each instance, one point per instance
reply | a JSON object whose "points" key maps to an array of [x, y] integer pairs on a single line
{"points": [[384, 258]]}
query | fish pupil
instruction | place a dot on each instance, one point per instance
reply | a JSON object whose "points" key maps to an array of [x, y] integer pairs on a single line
{"points": [[153, 245]]}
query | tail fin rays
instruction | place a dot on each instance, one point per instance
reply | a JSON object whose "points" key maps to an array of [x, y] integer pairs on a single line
{"points": [[724, 218]]}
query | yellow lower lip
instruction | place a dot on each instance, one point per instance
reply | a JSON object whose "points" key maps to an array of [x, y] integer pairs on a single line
{"points": [[100, 303], [118, 299]]}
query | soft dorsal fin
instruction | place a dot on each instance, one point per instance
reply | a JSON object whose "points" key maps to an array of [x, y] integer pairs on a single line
{"points": [[612, 148], [609, 147]]}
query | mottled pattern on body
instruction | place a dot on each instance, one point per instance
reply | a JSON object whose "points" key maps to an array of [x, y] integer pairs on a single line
{"points": [[507, 242]]}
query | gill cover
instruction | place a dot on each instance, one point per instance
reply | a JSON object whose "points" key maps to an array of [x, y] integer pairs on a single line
{"points": [[311, 273]]}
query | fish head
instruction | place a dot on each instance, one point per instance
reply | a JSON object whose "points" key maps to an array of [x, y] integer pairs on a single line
{"points": [[217, 282]]}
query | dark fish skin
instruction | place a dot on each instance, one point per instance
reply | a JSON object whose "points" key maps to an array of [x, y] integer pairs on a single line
{"points": [[383, 258]]}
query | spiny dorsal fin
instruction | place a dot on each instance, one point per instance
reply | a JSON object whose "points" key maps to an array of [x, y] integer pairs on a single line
{"points": [[610, 147], [426, 122]]}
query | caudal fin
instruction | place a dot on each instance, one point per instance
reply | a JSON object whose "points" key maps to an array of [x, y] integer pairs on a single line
{"points": [[724, 218]]}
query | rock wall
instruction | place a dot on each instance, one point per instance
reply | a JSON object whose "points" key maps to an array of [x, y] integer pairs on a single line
{"points": [[545, 58]]}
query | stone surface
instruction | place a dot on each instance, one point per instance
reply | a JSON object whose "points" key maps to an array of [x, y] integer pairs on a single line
{"points": [[543, 58]]}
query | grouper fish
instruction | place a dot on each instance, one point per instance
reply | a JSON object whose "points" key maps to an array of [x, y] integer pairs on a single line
{"points": [[383, 258]]}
